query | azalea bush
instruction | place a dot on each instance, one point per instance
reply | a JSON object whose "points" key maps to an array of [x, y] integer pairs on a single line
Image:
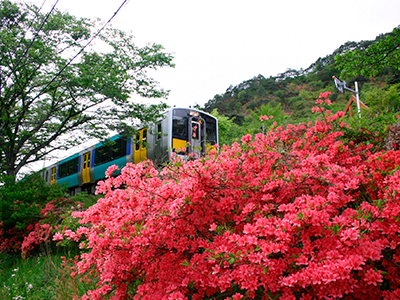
{"points": [[371, 128], [21, 204], [296, 213], [55, 216], [31, 212]]}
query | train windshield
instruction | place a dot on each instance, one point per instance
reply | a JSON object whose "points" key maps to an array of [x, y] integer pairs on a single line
{"points": [[211, 129], [180, 125]]}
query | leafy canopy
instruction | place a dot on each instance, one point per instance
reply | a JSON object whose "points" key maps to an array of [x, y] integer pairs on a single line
{"points": [[370, 59], [228, 130], [44, 97]]}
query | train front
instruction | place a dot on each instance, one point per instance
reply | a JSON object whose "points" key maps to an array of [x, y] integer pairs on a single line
{"points": [[193, 132]]}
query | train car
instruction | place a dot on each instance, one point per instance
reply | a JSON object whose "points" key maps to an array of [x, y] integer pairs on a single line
{"points": [[181, 130]]}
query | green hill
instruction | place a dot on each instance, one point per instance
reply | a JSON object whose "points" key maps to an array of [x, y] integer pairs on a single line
{"points": [[296, 90]]}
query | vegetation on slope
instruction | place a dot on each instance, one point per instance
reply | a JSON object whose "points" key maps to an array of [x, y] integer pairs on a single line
{"points": [[295, 90]]}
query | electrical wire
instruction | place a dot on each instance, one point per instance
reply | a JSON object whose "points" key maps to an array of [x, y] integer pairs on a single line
{"points": [[34, 38], [83, 48], [29, 27]]}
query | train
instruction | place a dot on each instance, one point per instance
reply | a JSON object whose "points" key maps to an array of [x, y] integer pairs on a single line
{"points": [[185, 131]]}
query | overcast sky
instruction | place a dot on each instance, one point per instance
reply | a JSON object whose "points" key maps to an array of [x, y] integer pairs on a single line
{"points": [[218, 43]]}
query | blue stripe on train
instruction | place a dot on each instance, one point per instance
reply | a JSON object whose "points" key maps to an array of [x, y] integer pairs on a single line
{"points": [[71, 180], [100, 170]]}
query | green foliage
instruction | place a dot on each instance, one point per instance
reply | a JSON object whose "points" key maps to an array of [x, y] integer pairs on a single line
{"points": [[26, 279], [370, 129], [382, 100], [371, 58], [228, 130], [21, 202], [29, 207], [253, 123], [376, 121], [302, 110]]}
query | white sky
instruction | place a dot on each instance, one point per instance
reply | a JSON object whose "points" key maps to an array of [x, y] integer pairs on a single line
{"points": [[217, 43]]}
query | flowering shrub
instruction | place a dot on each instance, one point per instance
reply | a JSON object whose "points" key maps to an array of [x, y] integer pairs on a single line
{"points": [[378, 130], [21, 203], [293, 214], [55, 216], [265, 117], [31, 212]]}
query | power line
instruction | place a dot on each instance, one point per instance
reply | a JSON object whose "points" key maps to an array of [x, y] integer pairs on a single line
{"points": [[34, 38], [83, 48], [30, 25]]}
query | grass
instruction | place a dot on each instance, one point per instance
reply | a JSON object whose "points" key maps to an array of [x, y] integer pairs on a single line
{"points": [[38, 277], [41, 276]]}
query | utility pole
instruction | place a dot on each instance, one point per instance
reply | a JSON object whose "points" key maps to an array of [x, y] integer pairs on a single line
{"points": [[341, 86]]}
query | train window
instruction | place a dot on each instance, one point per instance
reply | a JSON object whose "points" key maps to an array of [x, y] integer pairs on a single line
{"points": [[101, 155], [211, 130], [119, 148], [53, 175], [68, 168], [144, 138], [111, 151], [137, 140], [195, 130], [180, 124], [180, 127]]}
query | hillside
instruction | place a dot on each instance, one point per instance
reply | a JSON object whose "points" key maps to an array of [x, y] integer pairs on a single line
{"points": [[296, 90]]}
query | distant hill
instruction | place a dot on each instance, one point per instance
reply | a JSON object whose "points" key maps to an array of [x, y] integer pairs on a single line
{"points": [[294, 90]]}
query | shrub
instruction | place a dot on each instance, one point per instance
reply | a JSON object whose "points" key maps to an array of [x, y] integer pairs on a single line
{"points": [[56, 216], [31, 212], [297, 213], [392, 141], [21, 203], [371, 129]]}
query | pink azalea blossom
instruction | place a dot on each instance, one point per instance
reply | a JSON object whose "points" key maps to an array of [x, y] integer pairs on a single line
{"points": [[58, 237], [213, 226], [301, 212], [325, 94], [247, 138]]}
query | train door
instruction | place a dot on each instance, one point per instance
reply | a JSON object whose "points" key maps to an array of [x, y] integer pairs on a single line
{"points": [[53, 175], [140, 153], [196, 138], [86, 168]]}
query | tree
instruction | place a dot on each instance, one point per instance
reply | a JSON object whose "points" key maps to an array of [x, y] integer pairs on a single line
{"points": [[382, 100], [370, 58], [48, 100], [228, 130]]}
